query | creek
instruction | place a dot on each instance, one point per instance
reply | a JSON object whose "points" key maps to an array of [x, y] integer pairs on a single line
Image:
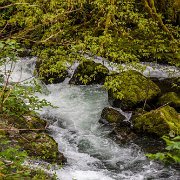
{"points": [[90, 153]]}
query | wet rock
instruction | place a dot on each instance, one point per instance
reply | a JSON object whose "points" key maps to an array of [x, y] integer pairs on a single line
{"points": [[170, 98], [89, 72], [41, 145], [123, 134], [111, 115], [24, 53], [158, 122], [150, 144], [121, 128], [131, 90], [48, 76]]}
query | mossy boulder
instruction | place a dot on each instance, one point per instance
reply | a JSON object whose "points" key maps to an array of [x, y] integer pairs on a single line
{"points": [[171, 98], [41, 145], [130, 90], [50, 73], [111, 115], [89, 72], [158, 122]]}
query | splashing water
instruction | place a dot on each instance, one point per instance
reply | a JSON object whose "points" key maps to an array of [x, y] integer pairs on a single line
{"points": [[90, 153]]}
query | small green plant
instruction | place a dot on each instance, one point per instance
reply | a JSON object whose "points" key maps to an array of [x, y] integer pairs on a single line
{"points": [[11, 167], [11, 159], [16, 98], [172, 153]]}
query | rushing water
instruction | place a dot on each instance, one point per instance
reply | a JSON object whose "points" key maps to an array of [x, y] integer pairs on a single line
{"points": [[90, 153]]}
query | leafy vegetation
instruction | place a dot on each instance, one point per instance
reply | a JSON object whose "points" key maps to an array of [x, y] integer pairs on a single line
{"points": [[11, 159], [59, 32], [17, 99], [172, 153]]}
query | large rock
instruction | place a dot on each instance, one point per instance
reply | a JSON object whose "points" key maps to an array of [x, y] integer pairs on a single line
{"points": [[130, 90], [159, 122], [41, 145], [48, 74], [170, 98], [89, 72]]}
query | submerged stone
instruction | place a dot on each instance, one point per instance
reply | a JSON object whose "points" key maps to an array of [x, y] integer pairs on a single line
{"points": [[170, 98], [159, 122], [89, 72], [130, 90], [123, 134]]}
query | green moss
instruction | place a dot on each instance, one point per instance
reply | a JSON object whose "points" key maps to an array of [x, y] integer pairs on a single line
{"points": [[131, 88], [41, 145], [160, 121], [23, 122], [171, 98], [89, 72], [50, 72], [112, 116]]}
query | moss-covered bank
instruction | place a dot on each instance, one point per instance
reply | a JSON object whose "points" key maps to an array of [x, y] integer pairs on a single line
{"points": [[30, 133]]}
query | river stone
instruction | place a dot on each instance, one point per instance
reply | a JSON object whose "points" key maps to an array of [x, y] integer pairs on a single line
{"points": [[111, 115], [170, 98], [131, 89], [121, 129], [159, 122], [89, 72], [41, 145], [50, 77]]}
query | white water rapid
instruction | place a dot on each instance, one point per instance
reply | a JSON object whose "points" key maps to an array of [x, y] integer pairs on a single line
{"points": [[90, 153]]}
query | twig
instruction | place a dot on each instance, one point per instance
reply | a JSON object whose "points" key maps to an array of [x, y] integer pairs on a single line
{"points": [[163, 105]]}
